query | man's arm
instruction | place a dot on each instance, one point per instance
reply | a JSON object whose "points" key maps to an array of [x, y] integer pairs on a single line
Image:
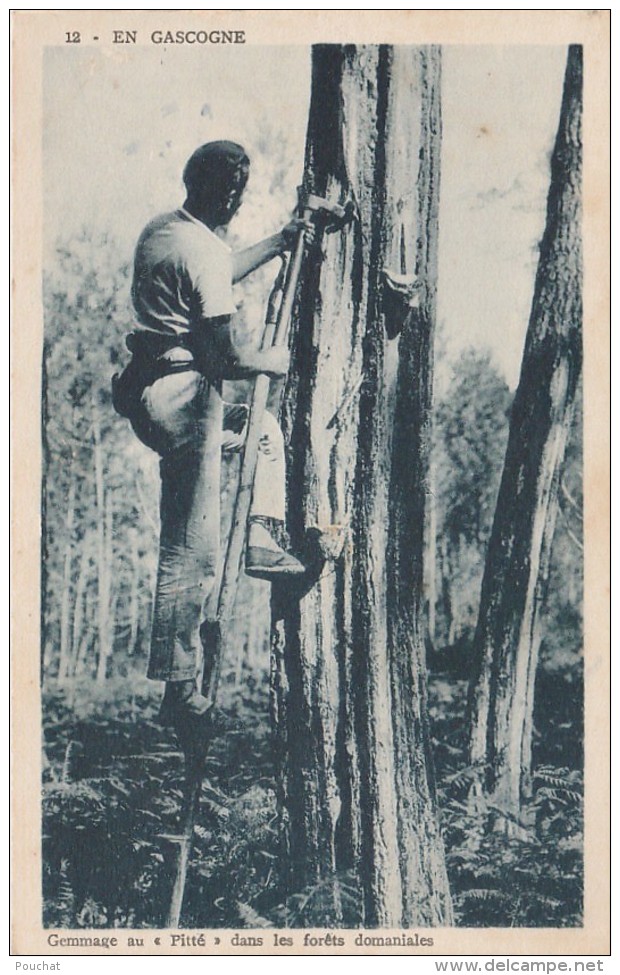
{"points": [[247, 260], [216, 349]]}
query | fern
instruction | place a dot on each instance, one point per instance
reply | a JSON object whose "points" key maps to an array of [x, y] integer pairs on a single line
{"points": [[215, 809], [465, 776], [557, 776], [66, 898], [485, 895], [251, 918], [560, 794], [335, 900]]}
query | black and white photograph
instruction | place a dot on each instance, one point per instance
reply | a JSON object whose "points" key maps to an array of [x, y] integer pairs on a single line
{"points": [[310, 387]]}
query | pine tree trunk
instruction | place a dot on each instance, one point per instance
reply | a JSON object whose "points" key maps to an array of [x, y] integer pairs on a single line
{"points": [[516, 570], [348, 689]]}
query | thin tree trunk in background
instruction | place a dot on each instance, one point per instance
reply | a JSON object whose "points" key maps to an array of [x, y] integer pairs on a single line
{"points": [[446, 589], [431, 554], [348, 690], [78, 613], [114, 586], [64, 657], [508, 636], [134, 596], [103, 564], [87, 640], [87, 645]]}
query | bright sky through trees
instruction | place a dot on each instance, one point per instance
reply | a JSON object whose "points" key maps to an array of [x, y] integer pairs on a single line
{"points": [[119, 125]]}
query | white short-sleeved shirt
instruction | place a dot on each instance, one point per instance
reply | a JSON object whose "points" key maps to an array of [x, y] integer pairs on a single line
{"points": [[182, 275]]}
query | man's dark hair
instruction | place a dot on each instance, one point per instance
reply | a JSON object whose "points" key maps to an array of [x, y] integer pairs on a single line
{"points": [[215, 176]]}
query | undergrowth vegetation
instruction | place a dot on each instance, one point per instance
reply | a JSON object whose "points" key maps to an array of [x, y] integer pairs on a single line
{"points": [[112, 796], [510, 874]]}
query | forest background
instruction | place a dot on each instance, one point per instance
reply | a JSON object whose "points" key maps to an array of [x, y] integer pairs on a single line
{"points": [[113, 159]]}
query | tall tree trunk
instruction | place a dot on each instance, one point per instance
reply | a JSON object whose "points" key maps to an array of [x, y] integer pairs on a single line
{"points": [[508, 637], [348, 687]]}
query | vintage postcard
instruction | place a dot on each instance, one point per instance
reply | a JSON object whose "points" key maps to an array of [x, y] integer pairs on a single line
{"points": [[310, 439]]}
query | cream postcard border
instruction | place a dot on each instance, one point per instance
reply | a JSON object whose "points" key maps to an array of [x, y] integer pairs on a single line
{"points": [[31, 32]]}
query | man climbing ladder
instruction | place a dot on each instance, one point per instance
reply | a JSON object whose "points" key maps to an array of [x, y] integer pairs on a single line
{"points": [[182, 350]]}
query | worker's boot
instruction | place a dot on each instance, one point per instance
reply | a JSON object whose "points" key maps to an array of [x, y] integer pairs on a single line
{"points": [[182, 701], [266, 556]]}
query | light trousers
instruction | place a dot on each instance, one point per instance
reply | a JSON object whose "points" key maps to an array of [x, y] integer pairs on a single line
{"points": [[181, 417]]}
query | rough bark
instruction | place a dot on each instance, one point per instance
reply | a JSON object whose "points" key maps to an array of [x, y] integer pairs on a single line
{"points": [[513, 589], [348, 651]]}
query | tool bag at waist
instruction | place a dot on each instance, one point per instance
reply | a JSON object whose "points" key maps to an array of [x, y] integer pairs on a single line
{"points": [[146, 366]]}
